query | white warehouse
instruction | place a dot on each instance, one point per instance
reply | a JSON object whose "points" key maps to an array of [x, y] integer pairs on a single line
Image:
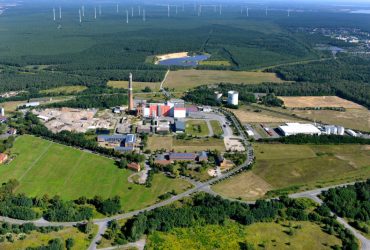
{"points": [[233, 98], [299, 128]]}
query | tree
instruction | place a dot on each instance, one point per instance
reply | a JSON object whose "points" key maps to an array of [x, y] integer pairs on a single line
{"points": [[69, 243]]}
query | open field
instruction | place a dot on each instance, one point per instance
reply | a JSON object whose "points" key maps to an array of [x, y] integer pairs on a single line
{"points": [[297, 167], [318, 101], [309, 166], [160, 142], [230, 236], [252, 114], [43, 167], [197, 128], [138, 86], [36, 239], [187, 79], [358, 119], [192, 145], [215, 63], [196, 145], [246, 185], [216, 127], [64, 89], [12, 106]]}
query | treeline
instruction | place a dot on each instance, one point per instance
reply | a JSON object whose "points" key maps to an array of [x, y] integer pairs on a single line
{"points": [[204, 209], [31, 124], [19, 206], [349, 77], [317, 139], [351, 202]]}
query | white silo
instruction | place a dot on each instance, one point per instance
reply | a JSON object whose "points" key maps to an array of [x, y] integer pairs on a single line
{"points": [[340, 130], [2, 111], [218, 95], [233, 98], [327, 130]]}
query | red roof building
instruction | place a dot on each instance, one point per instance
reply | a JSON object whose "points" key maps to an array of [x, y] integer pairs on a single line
{"points": [[134, 166]]}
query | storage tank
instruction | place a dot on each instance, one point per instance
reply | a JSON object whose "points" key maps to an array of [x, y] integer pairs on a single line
{"points": [[218, 95], [334, 130], [340, 130], [233, 98], [351, 132], [327, 130]]}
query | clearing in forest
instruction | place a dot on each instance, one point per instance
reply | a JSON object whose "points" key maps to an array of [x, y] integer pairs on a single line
{"points": [[187, 79], [318, 101]]}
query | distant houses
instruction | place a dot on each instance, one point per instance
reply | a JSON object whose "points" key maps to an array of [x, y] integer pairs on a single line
{"points": [[169, 158]]}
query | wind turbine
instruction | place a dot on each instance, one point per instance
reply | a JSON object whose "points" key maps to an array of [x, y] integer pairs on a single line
{"points": [[168, 10], [79, 14], [127, 16], [60, 12], [83, 10], [95, 13], [54, 14], [144, 15], [117, 8]]}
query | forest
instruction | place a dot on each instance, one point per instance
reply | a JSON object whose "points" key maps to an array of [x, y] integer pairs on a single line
{"points": [[352, 202], [204, 209]]}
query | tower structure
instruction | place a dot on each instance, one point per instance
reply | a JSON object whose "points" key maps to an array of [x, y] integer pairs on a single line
{"points": [[130, 94]]}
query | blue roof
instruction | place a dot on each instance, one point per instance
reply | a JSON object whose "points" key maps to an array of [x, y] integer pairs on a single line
{"points": [[105, 137], [182, 155], [180, 125], [203, 154], [124, 149], [130, 138]]}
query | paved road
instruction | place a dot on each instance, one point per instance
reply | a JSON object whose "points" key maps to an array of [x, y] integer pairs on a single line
{"points": [[102, 228], [313, 195]]}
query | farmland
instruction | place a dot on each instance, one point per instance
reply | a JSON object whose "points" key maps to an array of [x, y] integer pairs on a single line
{"points": [[231, 235], [298, 167], [54, 169], [187, 79], [318, 101]]}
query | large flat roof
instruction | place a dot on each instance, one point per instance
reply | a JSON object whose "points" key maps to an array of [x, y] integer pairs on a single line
{"points": [[299, 128]]}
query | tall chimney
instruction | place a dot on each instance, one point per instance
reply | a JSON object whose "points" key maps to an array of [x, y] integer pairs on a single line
{"points": [[130, 94]]}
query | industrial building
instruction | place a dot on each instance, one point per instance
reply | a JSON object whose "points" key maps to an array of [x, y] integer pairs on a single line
{"points": [[233, 98], [126, 142], [172, 108], [299, 128]]}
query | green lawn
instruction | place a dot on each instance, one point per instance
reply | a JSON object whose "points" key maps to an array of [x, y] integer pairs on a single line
{"points": [[65, 89], [196, 145], [309, 166], [44, 167], [234, 236], [197, 128], [216, 127]]}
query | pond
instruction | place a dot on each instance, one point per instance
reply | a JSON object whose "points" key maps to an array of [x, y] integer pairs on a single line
{"points": [[188, 61]]}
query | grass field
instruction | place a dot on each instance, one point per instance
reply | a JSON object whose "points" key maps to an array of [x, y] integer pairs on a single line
{"points": [[216, 127], [246, 185], [318, 101], [215, 63], [36, 239], [193, 145], [187, 79], [197, 128], [138, 86], [43, 167], [309, 166], [231, 235], [297, 167], [253, 114], [65, 89], [196, 145]]}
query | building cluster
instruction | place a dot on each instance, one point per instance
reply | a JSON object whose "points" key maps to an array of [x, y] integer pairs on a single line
{"points": [[173, 108], [311, 129], [170, 158], [120, 143]]}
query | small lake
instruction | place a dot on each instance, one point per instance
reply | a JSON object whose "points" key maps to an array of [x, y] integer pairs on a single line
{"points": [[188, 61]]}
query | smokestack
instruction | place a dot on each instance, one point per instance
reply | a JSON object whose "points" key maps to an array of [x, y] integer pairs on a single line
{"points": [[130, 94]]}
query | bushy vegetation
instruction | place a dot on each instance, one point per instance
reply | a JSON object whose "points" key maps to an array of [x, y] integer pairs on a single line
{"points": [[19, 206], [352, 202], [204, 209]]}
